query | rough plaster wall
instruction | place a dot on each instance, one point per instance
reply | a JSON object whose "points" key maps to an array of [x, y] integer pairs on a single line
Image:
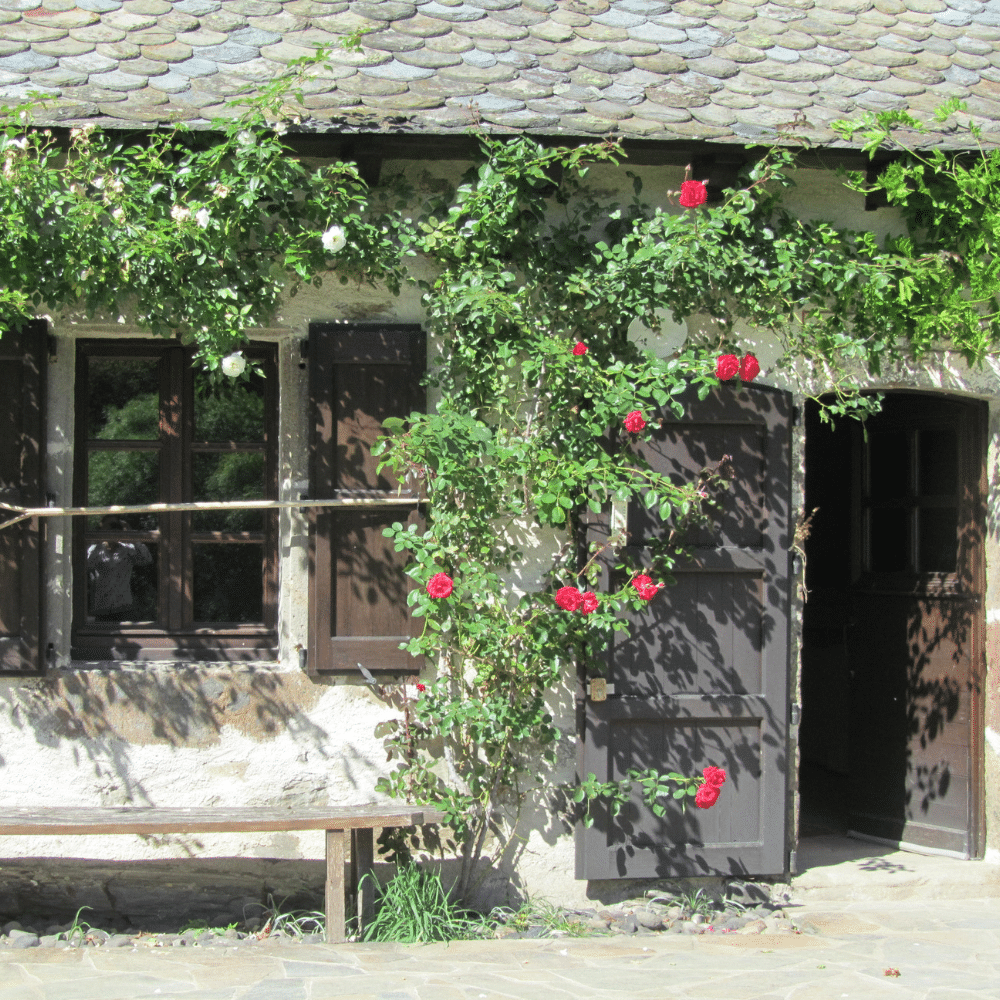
{"points": [[218, 733]]}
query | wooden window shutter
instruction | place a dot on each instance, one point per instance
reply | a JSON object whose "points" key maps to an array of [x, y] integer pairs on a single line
{"points": [[23, 354], [360, 374]]}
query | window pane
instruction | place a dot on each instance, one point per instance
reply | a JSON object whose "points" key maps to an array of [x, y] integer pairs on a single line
{"points": [[229, 583], [938, 470], [232, 476], [228, 411], [123, 477], [890, 540], [889, 464], [124, 400], [938, 539], [121, 581]]}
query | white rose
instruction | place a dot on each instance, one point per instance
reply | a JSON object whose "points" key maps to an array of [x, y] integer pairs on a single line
{"points": [[180, 214], [334, 239], [201, 217], [118, 214], [233, 364]]}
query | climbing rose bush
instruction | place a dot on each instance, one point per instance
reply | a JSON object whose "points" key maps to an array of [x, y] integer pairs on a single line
{"points": [[580, 349]]}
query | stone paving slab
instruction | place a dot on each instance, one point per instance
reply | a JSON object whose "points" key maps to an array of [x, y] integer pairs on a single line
{"points": [[943, 949]]}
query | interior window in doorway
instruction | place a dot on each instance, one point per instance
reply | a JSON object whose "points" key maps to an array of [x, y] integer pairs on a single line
{"points": [[153, 427]]}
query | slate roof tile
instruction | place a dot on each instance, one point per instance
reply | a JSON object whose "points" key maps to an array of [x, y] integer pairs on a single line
{"points": [[127, 22], [9, 48], [222, 20], [62, 18], [201, 37], [90, 62], [251, 8], [118, 50], [967, 61], [280, 23], [477, 74], [661, 112], [154, 7], [601, 33], [422, 57], [59, 77], [62, 47], [387, 10], [24, 32], [152, 36], [196, 8], [173, 51], [451, 42], [99, 6], [632, 47], [170, 83]]}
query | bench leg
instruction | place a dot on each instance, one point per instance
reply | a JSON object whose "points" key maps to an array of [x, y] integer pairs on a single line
{"points": [[336, 931], [362, 864]]}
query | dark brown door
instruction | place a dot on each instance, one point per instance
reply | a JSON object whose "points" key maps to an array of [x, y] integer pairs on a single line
{"points": [[22, 447], [914, 634], [703, 676]]}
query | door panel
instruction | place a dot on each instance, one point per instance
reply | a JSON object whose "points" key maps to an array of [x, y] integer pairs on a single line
{"points": [[914, 634], [701, 678]]}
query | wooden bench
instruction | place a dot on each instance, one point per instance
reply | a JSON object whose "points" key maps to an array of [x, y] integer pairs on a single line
{"points": [[335, 820]]}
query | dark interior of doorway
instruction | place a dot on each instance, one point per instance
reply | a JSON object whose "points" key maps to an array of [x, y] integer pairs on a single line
{"points": [[824, 762]]}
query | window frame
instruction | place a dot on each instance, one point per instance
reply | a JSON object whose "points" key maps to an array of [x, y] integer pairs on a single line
{"points": [[175, 635]]}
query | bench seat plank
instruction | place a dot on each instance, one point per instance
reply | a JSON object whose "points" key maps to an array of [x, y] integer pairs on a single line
{"points": [[210, 819]]}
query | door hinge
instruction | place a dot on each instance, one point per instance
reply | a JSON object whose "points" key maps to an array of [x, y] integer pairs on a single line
{"points": [[796, 416], [795, 715]]}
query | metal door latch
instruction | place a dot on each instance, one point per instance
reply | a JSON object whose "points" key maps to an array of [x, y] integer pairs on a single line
{"points": [[598, 689]]}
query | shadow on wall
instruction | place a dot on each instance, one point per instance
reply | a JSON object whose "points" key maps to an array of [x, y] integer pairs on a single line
{"points": [[103, 714]]}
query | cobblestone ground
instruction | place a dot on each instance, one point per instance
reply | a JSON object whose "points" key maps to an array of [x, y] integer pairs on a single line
{"points": [[935, 950]]}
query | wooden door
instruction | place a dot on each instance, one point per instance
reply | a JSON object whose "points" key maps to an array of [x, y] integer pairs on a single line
{"points": [[703, 676], [914, 637]]}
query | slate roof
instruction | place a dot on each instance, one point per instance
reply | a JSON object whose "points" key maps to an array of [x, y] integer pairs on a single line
{"points": [[721, 70]]}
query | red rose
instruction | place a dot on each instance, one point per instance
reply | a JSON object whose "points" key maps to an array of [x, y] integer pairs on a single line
{"points": [[634, 422], [726, 367], [581, 348], [693, 194], [440, 585], [749, 368], [645, 587], [421, 687], [588, 602], [569, 598], [707, 796], [714, 776]]}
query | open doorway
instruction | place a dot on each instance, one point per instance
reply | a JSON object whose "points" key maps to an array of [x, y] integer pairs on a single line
{"points": [[892, 657]]}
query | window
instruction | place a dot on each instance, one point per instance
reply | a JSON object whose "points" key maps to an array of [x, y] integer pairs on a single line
{"points": [[359, 375], [152, 427]]}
